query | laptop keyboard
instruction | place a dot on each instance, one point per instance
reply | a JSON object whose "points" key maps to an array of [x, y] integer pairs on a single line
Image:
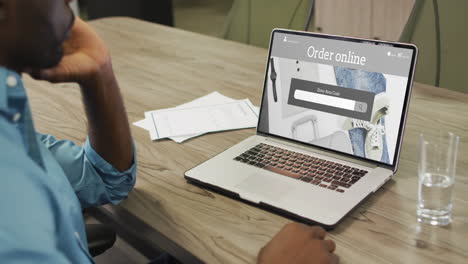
{"points": [[323, 173]]}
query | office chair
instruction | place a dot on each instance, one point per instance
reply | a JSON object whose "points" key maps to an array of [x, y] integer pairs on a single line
{"points": [[100, 238], [438, 29], [251, 21]]}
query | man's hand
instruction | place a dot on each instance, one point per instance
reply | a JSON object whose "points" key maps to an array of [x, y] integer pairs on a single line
{"points": [[85, 58], [298, 243], [86, 61]]}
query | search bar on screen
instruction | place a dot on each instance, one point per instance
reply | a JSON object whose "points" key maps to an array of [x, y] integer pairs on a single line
{"points": [[332, 101]]}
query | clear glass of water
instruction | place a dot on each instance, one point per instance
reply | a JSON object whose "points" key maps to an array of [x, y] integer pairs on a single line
{"points": [[437, 169]]}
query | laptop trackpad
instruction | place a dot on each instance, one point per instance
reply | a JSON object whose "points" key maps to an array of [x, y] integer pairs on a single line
{"points": [[262, 187]]}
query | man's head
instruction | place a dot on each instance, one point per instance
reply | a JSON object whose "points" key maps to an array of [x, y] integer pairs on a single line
{"points": [[33, 32]]}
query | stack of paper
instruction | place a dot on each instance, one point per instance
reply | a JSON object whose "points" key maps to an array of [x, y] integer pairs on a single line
{"points": [[211, 113]]}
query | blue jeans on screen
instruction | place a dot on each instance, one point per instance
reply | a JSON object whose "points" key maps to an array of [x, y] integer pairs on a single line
{"points": [[369, 82]]}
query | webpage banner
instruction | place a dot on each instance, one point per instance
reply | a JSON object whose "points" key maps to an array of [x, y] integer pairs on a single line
{"points": [[342, 95]]}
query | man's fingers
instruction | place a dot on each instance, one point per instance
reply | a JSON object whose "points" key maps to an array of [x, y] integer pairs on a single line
{"points": [[329, 245], [334, 259], [318, 232]]}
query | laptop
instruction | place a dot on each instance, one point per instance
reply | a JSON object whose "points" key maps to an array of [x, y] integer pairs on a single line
{"points": [[330, 128]]}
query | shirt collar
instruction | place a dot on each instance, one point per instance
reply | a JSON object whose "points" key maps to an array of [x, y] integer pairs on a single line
{"points": [[10, 81]]}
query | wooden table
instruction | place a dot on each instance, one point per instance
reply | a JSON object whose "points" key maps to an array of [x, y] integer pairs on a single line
{"points": [[160, 67]]}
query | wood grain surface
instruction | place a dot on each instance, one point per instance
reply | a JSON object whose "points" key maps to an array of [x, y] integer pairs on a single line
{"points": [[160, 67]]}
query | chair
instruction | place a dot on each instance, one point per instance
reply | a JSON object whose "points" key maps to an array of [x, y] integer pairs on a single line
{"points": [[100, 238], [442, 57], [251, 21]]}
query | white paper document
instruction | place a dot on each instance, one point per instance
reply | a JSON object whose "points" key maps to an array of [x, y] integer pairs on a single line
{"points": [[144, 123], [214, 98], [202, 119]]}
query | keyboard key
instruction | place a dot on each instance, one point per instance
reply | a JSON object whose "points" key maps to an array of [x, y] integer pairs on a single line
{"points": [[306, 179], [332, 187], [345, 180], [316, 182], [282, 172], [342, 184], [340, 190], [260, 165], [323, 185], [357, 173]]}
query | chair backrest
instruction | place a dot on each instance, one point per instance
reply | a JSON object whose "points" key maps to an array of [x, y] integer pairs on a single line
{"points": [[421, 30], [251, 21]]}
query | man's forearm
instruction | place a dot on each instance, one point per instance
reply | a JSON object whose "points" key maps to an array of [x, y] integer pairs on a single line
{"points": [[109, 132]]}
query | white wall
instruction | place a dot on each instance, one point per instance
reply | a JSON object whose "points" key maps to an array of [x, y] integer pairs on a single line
{"points": [[75, 8]]}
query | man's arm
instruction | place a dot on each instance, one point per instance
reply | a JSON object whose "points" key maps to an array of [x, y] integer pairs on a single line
{"points": [[109, 132], [87, 62], [103, 170]]}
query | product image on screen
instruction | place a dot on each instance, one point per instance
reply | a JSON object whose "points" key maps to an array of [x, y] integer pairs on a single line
{"points": [[336, 94]]}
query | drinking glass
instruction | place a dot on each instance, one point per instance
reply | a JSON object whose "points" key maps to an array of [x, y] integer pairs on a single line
{"points": [[437, 169]]}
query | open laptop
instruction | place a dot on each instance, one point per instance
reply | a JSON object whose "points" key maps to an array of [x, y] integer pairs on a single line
{"points": [[330, 127]]}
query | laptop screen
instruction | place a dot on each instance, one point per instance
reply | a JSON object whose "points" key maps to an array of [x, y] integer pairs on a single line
{"points": [[341, 94]]}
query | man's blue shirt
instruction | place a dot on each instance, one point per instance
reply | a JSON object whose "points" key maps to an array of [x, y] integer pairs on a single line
{"points": [[44, 185]]}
